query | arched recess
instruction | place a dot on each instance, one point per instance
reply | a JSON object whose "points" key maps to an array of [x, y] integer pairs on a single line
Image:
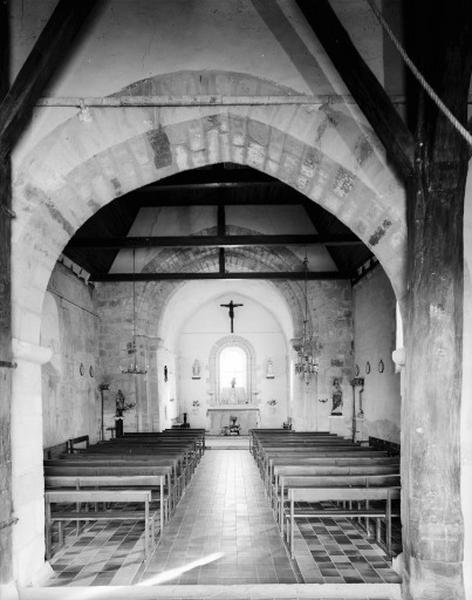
{"points": [[227, 342], [85, 163]]}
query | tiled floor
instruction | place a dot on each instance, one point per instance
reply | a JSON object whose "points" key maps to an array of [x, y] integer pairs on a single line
{"points": [[341, 553], [223, 532]]}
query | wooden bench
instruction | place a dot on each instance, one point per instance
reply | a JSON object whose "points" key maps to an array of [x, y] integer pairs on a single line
{"points": [[334, 480], [371, 468], [79, 497], [314, 453], [153, 483], [94, 470], [72, 442], [343, 494], [300, 461]]}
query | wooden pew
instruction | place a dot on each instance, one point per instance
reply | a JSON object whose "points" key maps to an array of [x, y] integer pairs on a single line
{"points": [[370, 478], [72, 442], [174, 484], [343, 494], [92, 470], [372, 467], [94, 496], [313, 452], [153, 483]]}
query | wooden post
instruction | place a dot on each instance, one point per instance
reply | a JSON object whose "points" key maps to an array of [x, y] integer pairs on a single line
{"points": [[432, 518], [6, 506]]}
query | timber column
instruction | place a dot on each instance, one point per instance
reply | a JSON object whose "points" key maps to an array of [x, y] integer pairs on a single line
{"points": [[432, 516]]}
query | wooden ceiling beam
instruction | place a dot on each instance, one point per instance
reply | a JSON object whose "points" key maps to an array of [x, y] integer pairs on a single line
{"points": [[219, 241], [44, 60], [154, 200], [290, 275], [362, 83]]}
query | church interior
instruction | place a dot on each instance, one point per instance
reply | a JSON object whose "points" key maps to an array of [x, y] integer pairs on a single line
{"points": [[235, 323]]}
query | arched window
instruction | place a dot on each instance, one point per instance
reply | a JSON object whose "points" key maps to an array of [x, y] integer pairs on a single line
{"points": [[232, 371], [232, 367]]}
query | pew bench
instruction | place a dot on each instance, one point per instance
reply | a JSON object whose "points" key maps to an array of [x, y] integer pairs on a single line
{"points": [[297, 466], [154, 483], [81, 439], [79, 497], [361, 495], [93, 470]]}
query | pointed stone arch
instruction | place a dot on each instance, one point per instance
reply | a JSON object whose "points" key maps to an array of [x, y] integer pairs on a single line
{"points": [[85, 163]]}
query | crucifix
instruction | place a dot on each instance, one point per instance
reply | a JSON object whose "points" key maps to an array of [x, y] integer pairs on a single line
{"points": [[231, 306]]}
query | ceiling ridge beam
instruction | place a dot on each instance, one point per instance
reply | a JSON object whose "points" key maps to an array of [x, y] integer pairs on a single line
{"points": [[214, 240], [49, 51], [369, 94], [289, 275]]}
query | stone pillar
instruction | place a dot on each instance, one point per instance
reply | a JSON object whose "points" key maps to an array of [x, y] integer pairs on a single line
{"points": [[27, 460]]}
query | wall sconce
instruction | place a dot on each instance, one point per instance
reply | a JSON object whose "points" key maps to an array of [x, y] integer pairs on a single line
{"points": [[272, 402], [195, 403], [323, 400]]}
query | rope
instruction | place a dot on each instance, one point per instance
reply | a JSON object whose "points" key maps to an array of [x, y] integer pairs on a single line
{"points": [[429, 90]]}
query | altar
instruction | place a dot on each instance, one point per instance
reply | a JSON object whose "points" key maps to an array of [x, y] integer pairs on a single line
{"points": [[219, 416]]}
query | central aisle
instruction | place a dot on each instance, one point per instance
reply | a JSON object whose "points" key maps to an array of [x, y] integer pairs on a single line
{"points": [[223, 531]]}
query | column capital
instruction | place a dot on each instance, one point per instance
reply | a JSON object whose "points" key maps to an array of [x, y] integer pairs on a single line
{"points": [[30, 352]]}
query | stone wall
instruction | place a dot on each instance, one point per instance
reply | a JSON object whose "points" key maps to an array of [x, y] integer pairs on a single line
{"points": [[374, 334], [114, 305], [330, 305], [69, 378]]}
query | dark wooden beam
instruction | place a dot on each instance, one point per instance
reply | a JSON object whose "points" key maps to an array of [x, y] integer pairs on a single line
{"points": [[291, 275], [221, 220], [222, 261], [210, 185], [44, 60], [362, 83], [156, 199], [220, 241], [434, 396], [221, 228]]}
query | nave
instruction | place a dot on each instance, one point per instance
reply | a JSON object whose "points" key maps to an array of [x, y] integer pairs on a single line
{"points": [[224, 533]]}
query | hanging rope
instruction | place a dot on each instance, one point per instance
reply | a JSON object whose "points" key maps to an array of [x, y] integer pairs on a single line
{"points": [[429, 90]]}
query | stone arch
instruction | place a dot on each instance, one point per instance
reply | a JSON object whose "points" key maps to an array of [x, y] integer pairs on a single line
{"points": [[85, 163], [241, 259], [226, 342]]}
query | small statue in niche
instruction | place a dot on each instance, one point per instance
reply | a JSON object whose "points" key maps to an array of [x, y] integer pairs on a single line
{"points": [[196, 369], [337, 396]]}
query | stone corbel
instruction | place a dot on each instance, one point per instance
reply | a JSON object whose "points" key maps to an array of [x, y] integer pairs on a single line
{"points": [[33, 353]]}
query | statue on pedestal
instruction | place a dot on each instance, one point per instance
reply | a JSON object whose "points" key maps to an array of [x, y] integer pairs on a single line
{"points": [[337, 396]]}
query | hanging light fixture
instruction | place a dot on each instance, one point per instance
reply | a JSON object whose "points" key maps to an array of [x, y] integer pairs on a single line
{"points": [[306, 366], [133, 368]]}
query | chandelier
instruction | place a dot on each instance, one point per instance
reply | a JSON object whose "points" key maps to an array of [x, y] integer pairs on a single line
{"points": [[305, 365], [132, 368]]}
